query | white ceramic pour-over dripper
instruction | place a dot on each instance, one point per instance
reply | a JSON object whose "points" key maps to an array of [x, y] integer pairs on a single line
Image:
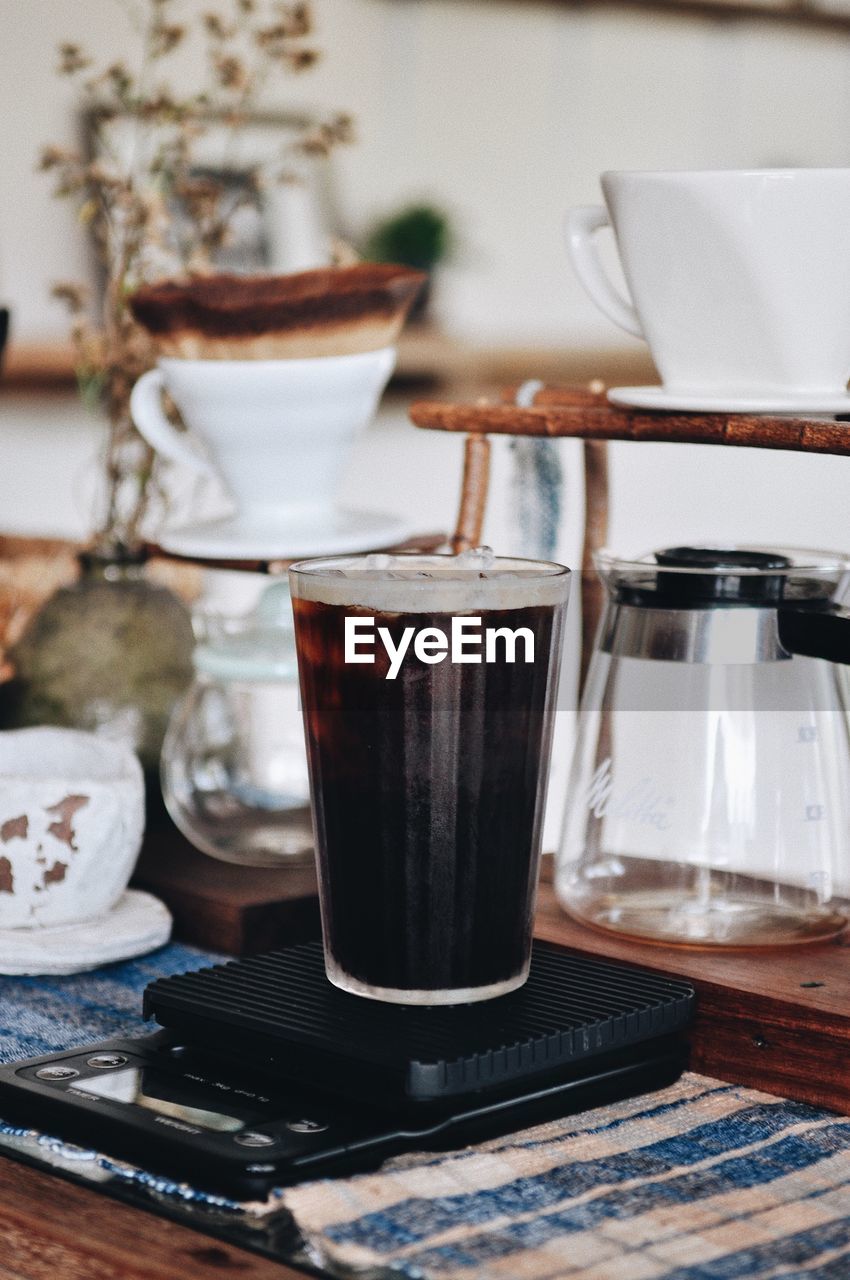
{"points": [[278, 433], [739, 280]]}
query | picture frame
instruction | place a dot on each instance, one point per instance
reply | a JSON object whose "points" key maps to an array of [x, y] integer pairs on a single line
{"points": [[288, 223]]}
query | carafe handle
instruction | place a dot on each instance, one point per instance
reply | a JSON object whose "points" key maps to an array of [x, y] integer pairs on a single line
{"points": [[820, 631]]}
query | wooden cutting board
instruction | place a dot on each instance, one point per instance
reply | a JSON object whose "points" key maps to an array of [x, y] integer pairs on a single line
{"points": [[778, 1020], [223, 907]]}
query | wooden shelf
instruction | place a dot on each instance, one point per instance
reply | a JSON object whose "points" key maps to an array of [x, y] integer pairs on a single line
{"points": [[807, 13], [427, 357], [38, 366]]}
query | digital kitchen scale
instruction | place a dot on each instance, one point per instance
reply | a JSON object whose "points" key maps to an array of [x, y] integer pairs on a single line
{"points": [[264, 1074]]}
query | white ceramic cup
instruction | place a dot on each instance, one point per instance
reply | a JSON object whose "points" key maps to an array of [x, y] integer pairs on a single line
{"points": [[277, 432], [72, 814], [740, 279]]}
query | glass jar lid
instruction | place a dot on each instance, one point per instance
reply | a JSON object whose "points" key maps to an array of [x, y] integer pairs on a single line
{"points": [[696, 577], [258, 647]]}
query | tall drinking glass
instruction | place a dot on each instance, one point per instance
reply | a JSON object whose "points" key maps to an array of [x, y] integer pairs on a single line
{"points": [[428, 686]]}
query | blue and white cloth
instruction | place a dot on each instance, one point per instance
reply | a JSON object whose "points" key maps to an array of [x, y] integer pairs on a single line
{"points": [[46, 1015], [702, 1181]]}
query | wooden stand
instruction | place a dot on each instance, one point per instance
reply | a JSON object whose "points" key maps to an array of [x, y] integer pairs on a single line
{"points": [[584, 413], [776, 1020], [779, 1021]]}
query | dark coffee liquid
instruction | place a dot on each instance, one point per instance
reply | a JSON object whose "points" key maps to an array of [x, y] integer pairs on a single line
{"points": [[428, 793]]}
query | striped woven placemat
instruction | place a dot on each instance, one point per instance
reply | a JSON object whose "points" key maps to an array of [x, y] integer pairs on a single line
{"points": [[702, 1181]]}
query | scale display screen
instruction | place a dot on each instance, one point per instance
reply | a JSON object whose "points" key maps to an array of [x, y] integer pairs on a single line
{"points": [[157, 1091]]}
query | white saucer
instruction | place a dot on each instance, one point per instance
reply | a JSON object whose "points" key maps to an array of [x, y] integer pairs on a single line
{"points": [[336, 533], [660, 398], [138, 923]]}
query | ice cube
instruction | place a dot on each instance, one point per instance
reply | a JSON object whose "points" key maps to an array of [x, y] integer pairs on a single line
{"points": [[476, 558]]}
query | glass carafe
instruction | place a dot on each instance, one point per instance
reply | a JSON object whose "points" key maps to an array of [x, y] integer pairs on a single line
{"points": [[234, 762], [709, 799]]}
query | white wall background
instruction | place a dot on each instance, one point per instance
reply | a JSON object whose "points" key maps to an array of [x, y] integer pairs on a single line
{"points": [[503, 112]]}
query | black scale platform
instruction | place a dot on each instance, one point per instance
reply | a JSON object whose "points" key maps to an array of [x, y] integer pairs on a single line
{"points": [[281, 1009]]}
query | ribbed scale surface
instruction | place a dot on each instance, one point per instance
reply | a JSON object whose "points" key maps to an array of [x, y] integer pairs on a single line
{"points": [[571, 1007]]}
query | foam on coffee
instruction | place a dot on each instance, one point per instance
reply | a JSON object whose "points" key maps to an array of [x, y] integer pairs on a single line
{"points": [[465, 583]]}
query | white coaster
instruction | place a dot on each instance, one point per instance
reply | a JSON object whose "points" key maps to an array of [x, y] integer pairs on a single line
{"points": [[335, 533], [138, 923], [661, 398]]}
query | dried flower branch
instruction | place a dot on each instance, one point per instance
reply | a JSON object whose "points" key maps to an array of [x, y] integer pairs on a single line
{"points": [[151, 208], [322, 138], [216, 27], [72, 59], [165, 37]]}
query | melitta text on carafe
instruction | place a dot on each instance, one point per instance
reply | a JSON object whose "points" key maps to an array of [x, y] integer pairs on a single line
{"points": [[467, 642]]}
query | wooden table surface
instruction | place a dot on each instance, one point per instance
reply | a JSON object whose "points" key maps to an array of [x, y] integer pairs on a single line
{"points": [[51, 1229]]}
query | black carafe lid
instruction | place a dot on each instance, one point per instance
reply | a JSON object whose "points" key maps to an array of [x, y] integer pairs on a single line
{"points": [[723, 577]]}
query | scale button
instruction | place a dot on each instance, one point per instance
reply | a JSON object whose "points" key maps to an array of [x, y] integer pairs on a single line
{"points": [[306, 1126], [56, 1073], [251, 1138], [106, 1060]]}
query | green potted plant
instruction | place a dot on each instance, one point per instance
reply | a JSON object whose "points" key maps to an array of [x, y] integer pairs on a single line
{"points": [[419, 236]]}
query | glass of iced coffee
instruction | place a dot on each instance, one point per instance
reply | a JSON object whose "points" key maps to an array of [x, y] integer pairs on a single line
{"points": [[428, 687]]}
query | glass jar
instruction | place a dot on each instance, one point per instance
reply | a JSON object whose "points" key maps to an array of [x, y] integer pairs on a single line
{"points": [[234, 766], [709, 799]]}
